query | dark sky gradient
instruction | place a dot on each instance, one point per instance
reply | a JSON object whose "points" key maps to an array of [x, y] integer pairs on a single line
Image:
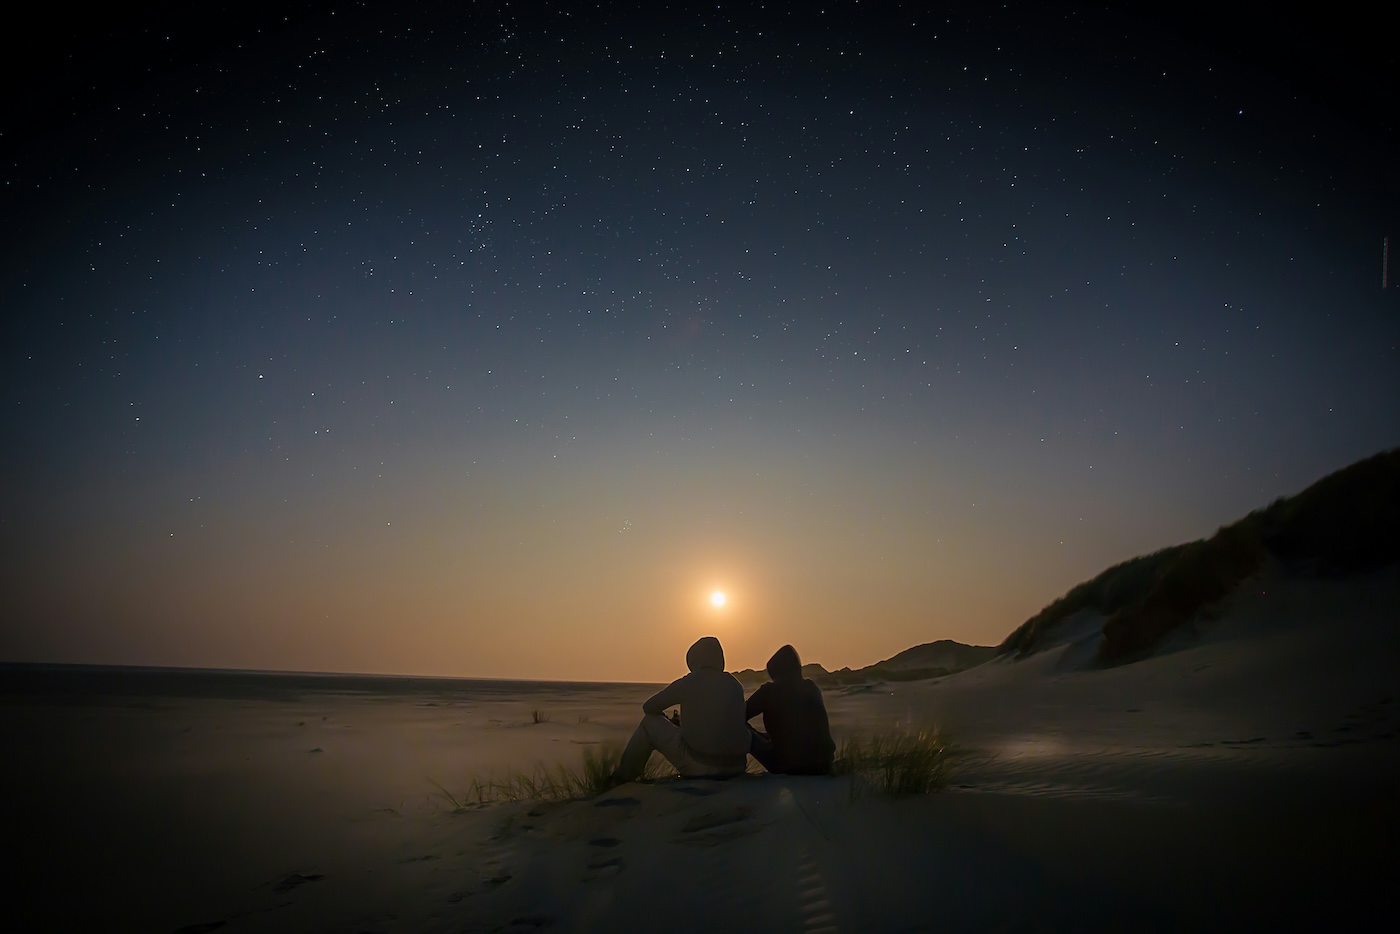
{"points": [[488, 341]]}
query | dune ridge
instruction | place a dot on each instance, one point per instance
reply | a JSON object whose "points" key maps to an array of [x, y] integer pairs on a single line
{"points": [[1345, 523]]}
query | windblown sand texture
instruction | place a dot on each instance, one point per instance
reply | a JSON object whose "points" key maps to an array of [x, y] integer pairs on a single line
{"points": [[1244, 777]]}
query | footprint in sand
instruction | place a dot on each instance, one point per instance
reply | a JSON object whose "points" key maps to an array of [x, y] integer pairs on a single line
{"points": [[487, 885], [712, 819], [698, 791], [604, 841], [813, 903], [603, 869], [293, 879], [715, 827]]}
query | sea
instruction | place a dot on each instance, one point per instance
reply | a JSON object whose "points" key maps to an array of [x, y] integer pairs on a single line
{"points": [[80, 683]]}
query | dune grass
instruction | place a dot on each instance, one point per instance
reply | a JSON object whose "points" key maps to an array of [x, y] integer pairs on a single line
{"points": [[538, 716], [894, 763], [559, 782], [1113, 590], [1343, 524]]}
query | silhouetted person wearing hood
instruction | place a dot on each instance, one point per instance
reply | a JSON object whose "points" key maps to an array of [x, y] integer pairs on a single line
{"points": [[798, 735], [712, 737]]}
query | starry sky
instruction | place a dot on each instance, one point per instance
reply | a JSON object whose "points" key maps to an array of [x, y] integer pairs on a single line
{"points": [[489, 339]]}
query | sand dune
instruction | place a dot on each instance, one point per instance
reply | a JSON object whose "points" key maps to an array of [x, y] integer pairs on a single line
{"points": [[1245, 775]]}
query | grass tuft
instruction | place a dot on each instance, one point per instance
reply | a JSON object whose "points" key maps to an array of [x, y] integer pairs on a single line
{"points": [[559, 782], [894, 763], [538, 716]]}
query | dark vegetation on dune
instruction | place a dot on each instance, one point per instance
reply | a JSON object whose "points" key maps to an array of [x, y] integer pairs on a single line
{"points": [[1347, 522]]}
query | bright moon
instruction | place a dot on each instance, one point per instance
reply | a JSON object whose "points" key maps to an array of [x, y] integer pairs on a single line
{"points": [[717, 598]]}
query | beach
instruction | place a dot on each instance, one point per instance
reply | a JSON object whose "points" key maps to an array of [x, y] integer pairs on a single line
{"points": [[1243, 775]]}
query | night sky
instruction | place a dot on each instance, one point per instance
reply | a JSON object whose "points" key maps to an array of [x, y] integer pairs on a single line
{"points": [[488, 341]]}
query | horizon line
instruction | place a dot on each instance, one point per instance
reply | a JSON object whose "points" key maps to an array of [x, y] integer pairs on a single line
{"points": [[292, 671]]}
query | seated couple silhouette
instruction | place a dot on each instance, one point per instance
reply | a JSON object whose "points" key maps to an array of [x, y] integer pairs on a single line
{"points": [[712, 738]]}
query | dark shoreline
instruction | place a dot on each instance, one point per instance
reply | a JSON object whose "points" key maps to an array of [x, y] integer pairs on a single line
{"points": [[71, 681]]}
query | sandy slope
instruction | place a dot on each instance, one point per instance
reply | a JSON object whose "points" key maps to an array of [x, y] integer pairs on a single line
{"points": [[1246, 776]]}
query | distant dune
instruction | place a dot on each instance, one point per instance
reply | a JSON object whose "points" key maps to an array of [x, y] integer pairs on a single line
{"points": [[930, 660], [1346, 523], [945, 653]]}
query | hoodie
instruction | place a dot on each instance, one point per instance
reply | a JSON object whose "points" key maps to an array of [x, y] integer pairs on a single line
{"points": [[713, 727], [794, 717]]}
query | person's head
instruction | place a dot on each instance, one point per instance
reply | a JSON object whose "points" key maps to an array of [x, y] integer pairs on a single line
{"points": [[705, 653], [785, 665]]}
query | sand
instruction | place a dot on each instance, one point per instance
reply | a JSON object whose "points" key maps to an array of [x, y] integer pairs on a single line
{"points": [[1244, 776]]}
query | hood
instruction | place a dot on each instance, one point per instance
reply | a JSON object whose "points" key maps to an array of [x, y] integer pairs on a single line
{"points": [[785, 664], [705, 653]]}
